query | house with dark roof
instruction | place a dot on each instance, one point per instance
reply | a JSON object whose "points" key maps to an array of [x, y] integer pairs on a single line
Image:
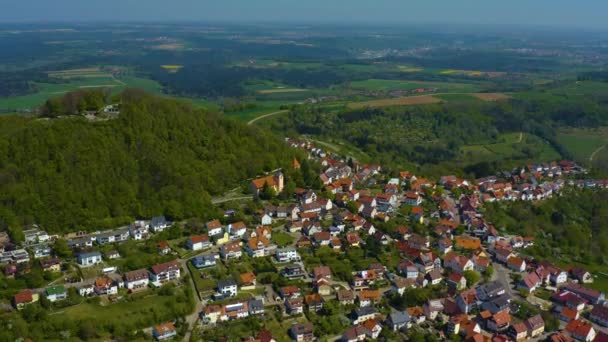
{"points": [[158, 224], [599, 315], [490, 290], [165, 272], [360, 315], [593, 296], [466, 300], [136, 280], [294, 306], [302, 332], [204, 261], [581, 274], [497, 304], [535, 326]]}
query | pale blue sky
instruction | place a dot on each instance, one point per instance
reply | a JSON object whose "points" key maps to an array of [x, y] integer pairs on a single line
{"points": [[559, 13]]}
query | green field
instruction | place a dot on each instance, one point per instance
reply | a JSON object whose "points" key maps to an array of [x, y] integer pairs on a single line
{"points": [[48, 90], [512, 146], [582, 88], [249, 114], [145, 310], [389, 85], [582, 143]]}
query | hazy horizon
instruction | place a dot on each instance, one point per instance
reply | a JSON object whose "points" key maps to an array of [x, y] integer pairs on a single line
{"points": [[584, 14]]}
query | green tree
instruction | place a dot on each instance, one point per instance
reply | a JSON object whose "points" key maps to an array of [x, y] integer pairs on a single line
{"points": [[353, 207], [551, 322], [488, 273], [62, 249], [472, 277], [288, 190], [267, 192]]}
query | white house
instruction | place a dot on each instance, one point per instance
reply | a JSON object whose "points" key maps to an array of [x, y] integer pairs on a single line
{"points": [[89, 259], [86, 290], [56, 293], [214, 228], [287, 254], [42, 252], [166, 272], [266, 220], [135, 280], [198, 242], [158, 224], [138, 230], [105, 286], [228, 288], [204, 261]]}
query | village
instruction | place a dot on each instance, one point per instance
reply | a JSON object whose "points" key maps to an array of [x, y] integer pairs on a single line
{"points": [[334, 254]]}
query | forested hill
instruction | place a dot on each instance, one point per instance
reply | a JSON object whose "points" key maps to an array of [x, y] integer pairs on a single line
{"points": [[159, 156]]}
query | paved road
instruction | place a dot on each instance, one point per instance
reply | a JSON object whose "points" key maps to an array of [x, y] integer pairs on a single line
{"points": [[192, 319], [501, 274], [265, 116]]}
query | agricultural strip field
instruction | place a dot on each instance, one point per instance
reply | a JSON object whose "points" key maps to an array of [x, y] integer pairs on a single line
{"points": [[491, 96], [399, 101], [389, 85], [428, 99], [279, 91]]}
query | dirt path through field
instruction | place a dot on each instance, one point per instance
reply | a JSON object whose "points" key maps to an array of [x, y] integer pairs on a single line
{"points": [[265, 116], [596, 152], [521, 137]]}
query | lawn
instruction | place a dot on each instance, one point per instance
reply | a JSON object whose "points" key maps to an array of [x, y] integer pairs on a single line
{"points": [[145, 310], [282, 239], [202, 285]]}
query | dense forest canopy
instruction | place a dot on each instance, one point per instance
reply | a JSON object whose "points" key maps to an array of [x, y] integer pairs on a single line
{"points": [[434, 133], [159, 156], [572, 225]]}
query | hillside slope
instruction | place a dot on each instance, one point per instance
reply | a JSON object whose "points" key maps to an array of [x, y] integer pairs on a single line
{"points": [[159, 156]]}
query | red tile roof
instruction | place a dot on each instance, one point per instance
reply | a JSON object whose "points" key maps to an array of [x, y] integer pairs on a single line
{"points": [[165, 267], [22, 297]]}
